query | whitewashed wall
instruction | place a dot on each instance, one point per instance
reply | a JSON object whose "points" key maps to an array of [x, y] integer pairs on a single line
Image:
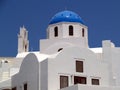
{"points": [[64, 64], [29, 73]]}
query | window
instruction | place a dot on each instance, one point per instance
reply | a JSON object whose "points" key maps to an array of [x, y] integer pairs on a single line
{"points": [[63, 81], [26, 48], [14, 88], [70, 30], [56, 31], [83, 32], [25, 86], [95, 81], [6, 62], [60, 49], [79, 66], [79, 80]]}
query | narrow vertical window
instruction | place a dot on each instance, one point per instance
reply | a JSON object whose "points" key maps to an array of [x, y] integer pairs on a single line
{"points": [[63, 81], [26, 48], [79, 66], [83, 32], [25, 86], [70, 30], [95, 82], [56, 31]]}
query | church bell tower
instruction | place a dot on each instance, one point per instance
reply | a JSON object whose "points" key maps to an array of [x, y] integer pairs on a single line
{"points": [[23, 42]]}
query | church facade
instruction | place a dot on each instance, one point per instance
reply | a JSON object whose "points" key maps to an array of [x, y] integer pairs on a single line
{"points": [[65, 60]]}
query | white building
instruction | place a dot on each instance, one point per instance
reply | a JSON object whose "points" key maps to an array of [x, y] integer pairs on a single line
{"points": [[65, 60]]}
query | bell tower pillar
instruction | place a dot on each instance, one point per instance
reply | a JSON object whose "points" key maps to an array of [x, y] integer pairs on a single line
{"points": [[23, 42]]}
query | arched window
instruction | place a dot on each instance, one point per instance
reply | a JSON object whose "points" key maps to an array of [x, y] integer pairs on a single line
{"points": [[60, 49], [6, 62], [83, 32], [56, 31], [70, 30]]}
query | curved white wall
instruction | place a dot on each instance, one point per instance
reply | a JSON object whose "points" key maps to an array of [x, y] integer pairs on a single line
{"points": [[29, 73]]}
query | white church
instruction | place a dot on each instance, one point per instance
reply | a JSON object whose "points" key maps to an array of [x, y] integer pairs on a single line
{"points": [[64, 62]]}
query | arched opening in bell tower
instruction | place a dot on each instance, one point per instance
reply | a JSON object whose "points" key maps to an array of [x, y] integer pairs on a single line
{"points": [[83, 32]]}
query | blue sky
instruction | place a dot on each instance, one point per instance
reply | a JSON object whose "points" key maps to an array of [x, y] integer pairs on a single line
{"points": [[101, 16]]}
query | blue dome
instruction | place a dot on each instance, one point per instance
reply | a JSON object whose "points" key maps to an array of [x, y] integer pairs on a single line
{"points": [[66, 16]]}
